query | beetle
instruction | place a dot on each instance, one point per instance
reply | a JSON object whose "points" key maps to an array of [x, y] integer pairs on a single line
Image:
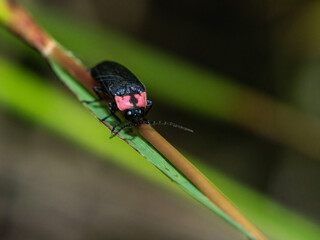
{"points": [[127, 93]]}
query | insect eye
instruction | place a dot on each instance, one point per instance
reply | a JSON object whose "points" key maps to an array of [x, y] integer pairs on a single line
{"points": [[129, 113]]}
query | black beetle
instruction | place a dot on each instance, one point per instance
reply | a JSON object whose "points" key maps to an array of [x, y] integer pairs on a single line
{"points": [[128, 95]]}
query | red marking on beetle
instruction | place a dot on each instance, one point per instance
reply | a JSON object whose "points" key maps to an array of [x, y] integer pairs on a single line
{"points": [[142, 99], [123, 102]]}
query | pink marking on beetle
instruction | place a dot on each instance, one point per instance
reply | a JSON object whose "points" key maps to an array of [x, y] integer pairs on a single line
{"points": [[123, 102], [142, 99]]}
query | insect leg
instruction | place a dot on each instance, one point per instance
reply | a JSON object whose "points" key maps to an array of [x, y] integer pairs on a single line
{"points": [[114, 128], [97, 91], [113, 108], [129, 125]]}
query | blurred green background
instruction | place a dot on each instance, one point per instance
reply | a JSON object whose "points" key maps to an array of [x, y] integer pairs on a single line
{"points": [[207, 65]]}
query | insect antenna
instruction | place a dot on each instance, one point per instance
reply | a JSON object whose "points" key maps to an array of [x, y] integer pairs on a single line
{"points": [[166, 123], [129, 125]]}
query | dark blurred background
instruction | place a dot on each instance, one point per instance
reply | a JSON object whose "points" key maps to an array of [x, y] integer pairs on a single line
{"points": [[272, 47]]}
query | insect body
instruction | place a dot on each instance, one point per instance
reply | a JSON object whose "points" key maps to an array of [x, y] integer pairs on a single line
{"points": [[127, 92]]}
